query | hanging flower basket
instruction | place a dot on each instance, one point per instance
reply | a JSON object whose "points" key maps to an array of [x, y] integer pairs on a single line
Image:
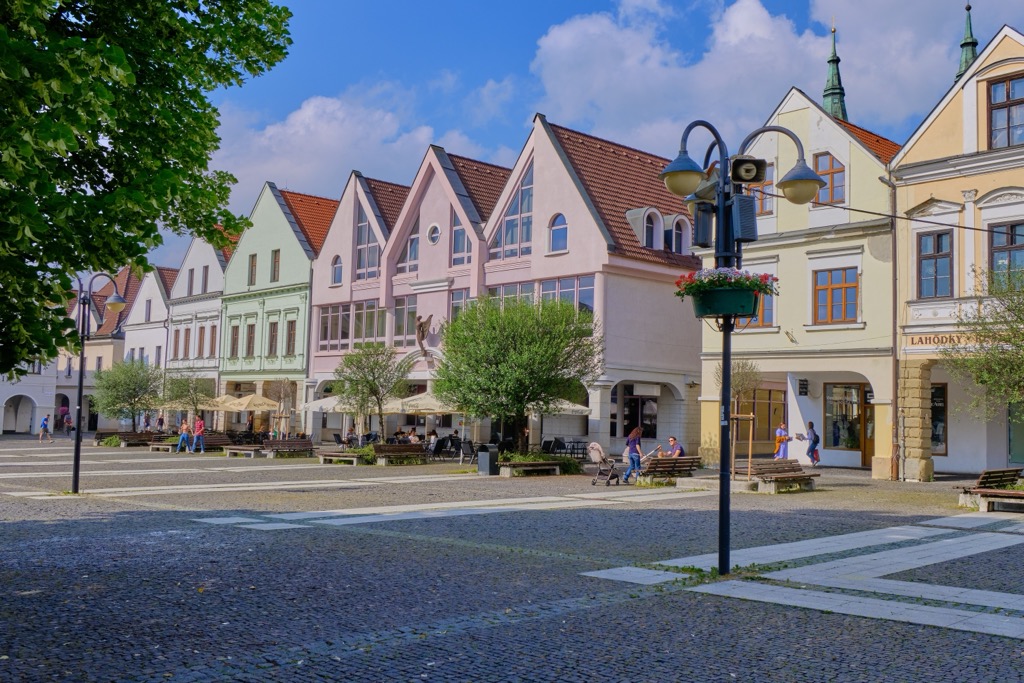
{"points": [[715, 303], [725, 291]]}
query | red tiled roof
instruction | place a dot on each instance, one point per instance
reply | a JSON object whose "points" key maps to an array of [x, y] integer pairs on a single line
{"points": [[483, 181], [313, 215], [229, 249], [167, 276], [389, 197], [882, 148], [617, 179], [128, 286]]}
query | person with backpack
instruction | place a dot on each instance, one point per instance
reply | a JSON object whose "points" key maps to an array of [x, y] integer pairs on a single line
{"points": [[812, 445]]}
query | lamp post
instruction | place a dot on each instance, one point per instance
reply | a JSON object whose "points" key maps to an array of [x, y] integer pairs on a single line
{"points": [[685, 178], [115, 304]]}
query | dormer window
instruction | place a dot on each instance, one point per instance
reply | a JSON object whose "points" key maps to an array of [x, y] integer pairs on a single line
{"points": [[512, 238], [336, 271], [461, 254], [1006, 112], [409, 260], [367, 250], [558, 234], [674, 236]]}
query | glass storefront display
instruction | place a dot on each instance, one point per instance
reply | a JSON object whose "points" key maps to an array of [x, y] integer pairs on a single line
{"points": [[939, 404], [843, 409]]}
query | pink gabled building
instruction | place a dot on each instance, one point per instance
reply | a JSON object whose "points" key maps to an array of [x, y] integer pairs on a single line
{"points": [[577, 217]]}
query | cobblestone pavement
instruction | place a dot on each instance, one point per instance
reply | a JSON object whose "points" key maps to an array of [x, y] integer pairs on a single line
{"points": [[127, 585]]}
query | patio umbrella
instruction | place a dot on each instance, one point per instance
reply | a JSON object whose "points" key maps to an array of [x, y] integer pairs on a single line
{"points": [[329, 404], [425, 404], [253, 402], [563, 407]]}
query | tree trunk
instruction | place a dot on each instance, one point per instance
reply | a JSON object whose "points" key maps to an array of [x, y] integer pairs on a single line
{"points": [[522, 439]]}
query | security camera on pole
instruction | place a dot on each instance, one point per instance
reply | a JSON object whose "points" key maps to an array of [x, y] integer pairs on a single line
{"points": [[715, 200]]}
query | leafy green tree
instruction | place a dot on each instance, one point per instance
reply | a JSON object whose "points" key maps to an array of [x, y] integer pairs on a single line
{"points": [[506, 360], [369, 376], [188, 390], [988, 347], [127, 389], [106, 133]]}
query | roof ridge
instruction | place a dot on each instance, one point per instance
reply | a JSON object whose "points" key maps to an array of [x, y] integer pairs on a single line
{"points": [[610, 142], [307, 194], [477, 161]]}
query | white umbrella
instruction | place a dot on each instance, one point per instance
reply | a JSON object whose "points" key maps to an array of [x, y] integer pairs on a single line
{"points": [[425, 404], [252, 402], [329, 404], [563, 407]]}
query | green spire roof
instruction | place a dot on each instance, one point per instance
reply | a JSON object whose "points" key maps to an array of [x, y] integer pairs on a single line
{"points": [[834, 101], [968, 47]]}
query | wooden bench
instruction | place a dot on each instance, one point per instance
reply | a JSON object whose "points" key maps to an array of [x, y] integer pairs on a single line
{"points": [[400, 454], [990, 488], [774, 476], [210, 442], [126, 438], [668, 468], [510, 469], [331, 456], [248, 450], [272, 446]]}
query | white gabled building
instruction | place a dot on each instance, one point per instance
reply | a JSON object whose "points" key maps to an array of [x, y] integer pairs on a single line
{"points": [[145, 329]]}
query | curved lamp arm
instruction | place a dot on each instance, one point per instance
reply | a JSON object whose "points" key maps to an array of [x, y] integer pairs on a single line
{"points": [[801, 184]]}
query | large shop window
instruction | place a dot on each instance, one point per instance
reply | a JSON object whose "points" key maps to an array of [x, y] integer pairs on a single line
{"points": [[939, 403], [334, 327], [629, 411], [523, 291], [843, 411], [768, 409]]}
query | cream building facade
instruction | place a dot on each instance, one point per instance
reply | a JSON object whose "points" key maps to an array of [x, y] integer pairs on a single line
{"points": [[824, 345]]}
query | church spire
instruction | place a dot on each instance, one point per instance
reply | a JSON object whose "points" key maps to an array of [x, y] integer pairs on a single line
{"points": [[835, 96], [968, 47]]}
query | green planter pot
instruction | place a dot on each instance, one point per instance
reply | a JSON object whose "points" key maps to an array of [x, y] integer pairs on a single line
{"points": [[715, 303]]}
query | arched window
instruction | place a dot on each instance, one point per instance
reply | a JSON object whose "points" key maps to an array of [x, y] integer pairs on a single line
{"points": [[559, 234], [336, 271], [649, 231], [674, 236]]}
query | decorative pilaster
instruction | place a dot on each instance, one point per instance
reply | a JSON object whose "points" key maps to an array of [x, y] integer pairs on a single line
{"points": [[916, 404]]}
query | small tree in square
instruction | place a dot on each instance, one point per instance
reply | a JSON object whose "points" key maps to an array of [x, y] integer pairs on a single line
{"points": [[127, 389], [506, 359], [188, 390], [369, 376]]}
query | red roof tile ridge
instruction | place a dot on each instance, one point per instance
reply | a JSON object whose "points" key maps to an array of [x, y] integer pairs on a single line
{"points": [[468, 160], [884, 148], [313, 214]]}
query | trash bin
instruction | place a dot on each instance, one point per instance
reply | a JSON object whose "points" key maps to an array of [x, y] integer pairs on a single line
{"points": [[487, 459]]}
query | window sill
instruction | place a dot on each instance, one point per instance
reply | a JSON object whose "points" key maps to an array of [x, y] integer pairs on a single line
{"points": [[759, 329], [825, 327], [560, 252]]}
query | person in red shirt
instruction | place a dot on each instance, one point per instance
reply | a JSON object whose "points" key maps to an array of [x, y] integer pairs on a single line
{"points": [[199, 435]]}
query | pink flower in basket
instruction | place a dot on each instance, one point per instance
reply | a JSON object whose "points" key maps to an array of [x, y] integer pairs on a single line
{"points": [[709, 279]]}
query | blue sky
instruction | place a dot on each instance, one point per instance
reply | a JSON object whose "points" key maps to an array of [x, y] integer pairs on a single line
{"points": [[368, 85]]}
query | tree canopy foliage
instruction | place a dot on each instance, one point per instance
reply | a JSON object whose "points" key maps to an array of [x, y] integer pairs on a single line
{"points": [[106, 133], [370, 376], [189, 390], [988, 348], [504, 360], [128, 389]]}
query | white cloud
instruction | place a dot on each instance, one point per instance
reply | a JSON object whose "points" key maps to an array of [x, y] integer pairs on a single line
{"points": [[491, 101], [620, 77], [316, 146]]}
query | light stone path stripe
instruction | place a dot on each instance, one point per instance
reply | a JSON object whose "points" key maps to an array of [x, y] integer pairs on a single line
{"points": [[873, 608], [95, 473], [971, 520], [782, 552], [437, 514]]}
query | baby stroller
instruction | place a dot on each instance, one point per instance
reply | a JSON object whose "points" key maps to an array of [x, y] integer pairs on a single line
{"points": [[605, 465]]}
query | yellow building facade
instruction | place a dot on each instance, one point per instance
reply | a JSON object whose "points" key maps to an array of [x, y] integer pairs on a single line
{"points": [[960, 188]]}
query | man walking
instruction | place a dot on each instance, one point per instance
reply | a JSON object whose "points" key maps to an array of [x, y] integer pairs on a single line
{"points": [[199, 435], [44, 429]]}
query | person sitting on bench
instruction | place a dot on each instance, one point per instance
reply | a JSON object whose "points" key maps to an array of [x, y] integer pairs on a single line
{"points": [[675, 449]]}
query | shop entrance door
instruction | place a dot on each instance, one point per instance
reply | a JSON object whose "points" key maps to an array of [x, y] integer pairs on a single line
{"points": [[1016, 446], [868, 451]]}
